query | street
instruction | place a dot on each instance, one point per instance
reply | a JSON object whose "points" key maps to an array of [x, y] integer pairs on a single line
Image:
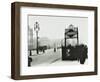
{"points": [[51, 58]]}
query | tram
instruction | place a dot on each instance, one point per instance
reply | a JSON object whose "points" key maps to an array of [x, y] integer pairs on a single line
{"points": [[77, 52]]}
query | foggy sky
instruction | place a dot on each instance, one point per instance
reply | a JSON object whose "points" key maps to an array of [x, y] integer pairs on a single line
{"points": [[53, 27]]}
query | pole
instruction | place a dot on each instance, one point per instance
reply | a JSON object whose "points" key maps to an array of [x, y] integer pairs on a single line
{"points": [[77, 37], [37, 42], [65, 39], [30, 53], [36, 28]]}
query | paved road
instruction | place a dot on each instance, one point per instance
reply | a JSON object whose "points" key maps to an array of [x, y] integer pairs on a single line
{"points": [[51, 58], [46, 58]]}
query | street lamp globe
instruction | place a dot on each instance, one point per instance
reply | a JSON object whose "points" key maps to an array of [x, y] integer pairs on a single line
{"points": [[36, 26]]}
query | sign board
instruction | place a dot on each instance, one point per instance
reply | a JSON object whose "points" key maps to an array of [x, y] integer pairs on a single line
{"points": [[71, 32]]}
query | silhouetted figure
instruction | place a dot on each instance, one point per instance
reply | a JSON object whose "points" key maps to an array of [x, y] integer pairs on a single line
{"points": [[54, 49], [29, 61]]}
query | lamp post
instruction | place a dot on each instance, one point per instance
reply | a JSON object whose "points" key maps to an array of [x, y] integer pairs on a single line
{"points": [[37, 28]]}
